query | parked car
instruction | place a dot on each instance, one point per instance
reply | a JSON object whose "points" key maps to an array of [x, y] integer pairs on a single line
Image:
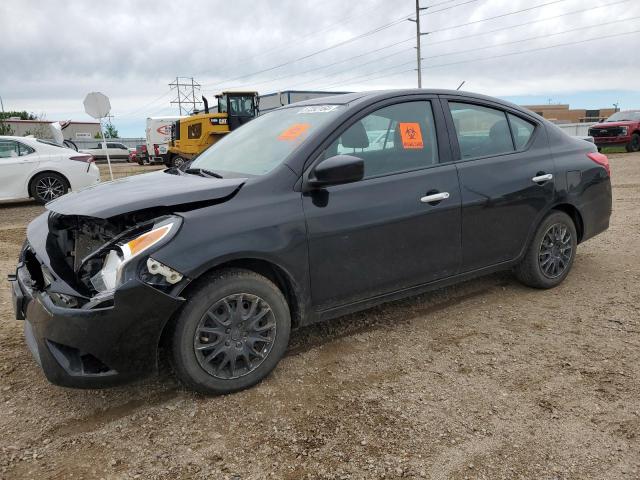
{"points": [[620, 129], [42, 170], [142, 155], [116, 150], [298, 217]]}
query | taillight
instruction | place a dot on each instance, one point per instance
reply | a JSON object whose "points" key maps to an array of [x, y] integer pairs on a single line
{"points": [[83, 158], [156, 150], [600, 159]]}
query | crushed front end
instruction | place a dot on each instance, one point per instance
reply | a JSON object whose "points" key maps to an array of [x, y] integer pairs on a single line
{"points": [[93, 298]]}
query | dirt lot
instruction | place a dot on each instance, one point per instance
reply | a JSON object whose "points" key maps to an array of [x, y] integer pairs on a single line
{"points": [[488, 380]]}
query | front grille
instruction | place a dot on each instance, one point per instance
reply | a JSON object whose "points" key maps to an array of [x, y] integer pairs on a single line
{"points": [[605, 132]]}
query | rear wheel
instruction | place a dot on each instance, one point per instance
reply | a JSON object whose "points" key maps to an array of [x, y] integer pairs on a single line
{"points": [[634, 143], [231, 333], [550, 255], [48, 186]]}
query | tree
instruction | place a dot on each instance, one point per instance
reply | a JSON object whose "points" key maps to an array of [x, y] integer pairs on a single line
{"points": [[5, 129], [110, 131], [23, 115]]}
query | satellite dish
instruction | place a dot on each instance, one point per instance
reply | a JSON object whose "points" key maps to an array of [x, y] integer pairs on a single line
{"points": [[97, 105], [56, 132]]}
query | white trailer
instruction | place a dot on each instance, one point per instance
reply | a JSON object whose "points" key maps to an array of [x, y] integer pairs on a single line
{"points": [[159, 136], [272, 101]]}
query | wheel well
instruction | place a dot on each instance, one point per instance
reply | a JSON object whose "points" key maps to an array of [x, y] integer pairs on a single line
{"points": [[29, 188], [262, 267], [575, 216]]}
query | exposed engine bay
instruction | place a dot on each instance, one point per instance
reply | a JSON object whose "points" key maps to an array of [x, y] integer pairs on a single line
{"points": [[89, 254]]}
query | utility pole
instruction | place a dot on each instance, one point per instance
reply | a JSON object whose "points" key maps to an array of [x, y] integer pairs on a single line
{"points": [[418, 35], [186, 98]]}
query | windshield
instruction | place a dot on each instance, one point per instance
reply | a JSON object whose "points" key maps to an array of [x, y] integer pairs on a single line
{"points": [[633, 116], [241, 106], [259, 146]]}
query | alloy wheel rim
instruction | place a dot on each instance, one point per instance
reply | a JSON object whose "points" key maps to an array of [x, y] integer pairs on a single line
{"points": [[234, 336], [49, 188], [178, 161], [556, 250]]}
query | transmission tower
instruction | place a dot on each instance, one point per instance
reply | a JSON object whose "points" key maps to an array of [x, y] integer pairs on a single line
{"points": [[186, 98]]}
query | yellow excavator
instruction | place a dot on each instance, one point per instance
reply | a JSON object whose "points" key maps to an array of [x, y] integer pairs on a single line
{"points": [[192, 135]]}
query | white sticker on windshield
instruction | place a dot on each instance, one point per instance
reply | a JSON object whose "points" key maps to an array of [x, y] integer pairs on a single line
{"points": [[318, 109]]}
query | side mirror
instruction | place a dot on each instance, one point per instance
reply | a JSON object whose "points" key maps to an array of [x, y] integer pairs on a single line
{"points": [[336, 171]]}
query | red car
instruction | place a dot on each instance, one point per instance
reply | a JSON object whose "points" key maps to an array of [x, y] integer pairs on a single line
{"points": [[621, 128]]}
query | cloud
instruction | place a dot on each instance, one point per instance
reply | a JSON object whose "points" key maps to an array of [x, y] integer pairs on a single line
{"points": [[53, 53]]}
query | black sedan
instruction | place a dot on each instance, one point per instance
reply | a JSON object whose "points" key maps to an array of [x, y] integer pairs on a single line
{"points": [[312, 211]]}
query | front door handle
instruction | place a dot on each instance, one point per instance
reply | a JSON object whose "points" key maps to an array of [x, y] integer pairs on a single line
{"points": [[542, 178], [436, 197]]}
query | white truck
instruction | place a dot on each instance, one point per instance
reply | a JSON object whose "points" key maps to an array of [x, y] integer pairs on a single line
{"points": [[158, 133]]}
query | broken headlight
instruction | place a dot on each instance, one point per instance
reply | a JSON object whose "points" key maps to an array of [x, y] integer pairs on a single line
{"points": [[110, 275]]}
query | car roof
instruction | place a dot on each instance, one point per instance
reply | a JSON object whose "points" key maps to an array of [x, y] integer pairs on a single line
{"points": [[358, 97]]}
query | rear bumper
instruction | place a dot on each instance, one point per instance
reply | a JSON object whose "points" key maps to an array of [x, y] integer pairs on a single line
{"points": [[93, 348]]}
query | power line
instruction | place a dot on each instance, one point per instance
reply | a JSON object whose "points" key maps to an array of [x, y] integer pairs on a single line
{"points": [[520, 52], [430, 12], [317, 52], [376, 30], [136, 110], [531, 22], [497, 16], [482, 48], [459, 52]]}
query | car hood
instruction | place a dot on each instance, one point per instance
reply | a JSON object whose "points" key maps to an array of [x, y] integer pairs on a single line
{"points": [[625, 123], [140, 192]]}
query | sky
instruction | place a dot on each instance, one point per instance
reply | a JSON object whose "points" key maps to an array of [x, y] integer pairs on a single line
{"points": [[54, 52]]}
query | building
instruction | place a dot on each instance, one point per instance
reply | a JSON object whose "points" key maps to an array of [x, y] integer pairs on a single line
{"points": [[561, 113], [40, 128]]}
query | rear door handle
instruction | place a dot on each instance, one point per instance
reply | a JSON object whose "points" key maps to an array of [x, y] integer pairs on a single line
{"points": [[542, 178], [436, 197]]}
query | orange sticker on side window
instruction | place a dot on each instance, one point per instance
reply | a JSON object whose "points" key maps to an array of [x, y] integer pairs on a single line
{"points": [[411, 135], [294, 131]]}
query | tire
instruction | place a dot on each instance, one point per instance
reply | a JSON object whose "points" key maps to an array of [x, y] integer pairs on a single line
{"points": [[47, 186], [538, 267], [178, 161], [140, 162], [210, 332], [634, 144]]}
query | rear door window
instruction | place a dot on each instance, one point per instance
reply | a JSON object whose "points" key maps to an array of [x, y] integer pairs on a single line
{"points": [[481, 131], [9, 149]]}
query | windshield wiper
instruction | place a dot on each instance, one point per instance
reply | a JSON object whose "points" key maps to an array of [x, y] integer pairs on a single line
{"points": [[203, 172]]}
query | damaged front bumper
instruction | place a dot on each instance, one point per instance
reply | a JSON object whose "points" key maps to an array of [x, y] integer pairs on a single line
{"points": [[88, 341], [93, 348]]}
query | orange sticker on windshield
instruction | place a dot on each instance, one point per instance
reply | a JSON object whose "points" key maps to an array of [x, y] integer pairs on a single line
{"points": [[411, 135], [294, 131]]}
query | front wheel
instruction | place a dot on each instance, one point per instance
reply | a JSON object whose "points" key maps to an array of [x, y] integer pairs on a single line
{"points": [[178, 161], [550, 255], [634, 143], [231, 334]]}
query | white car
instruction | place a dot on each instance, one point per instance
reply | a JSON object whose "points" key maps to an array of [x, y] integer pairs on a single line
{"points": [[42, 170], [115, 149]]}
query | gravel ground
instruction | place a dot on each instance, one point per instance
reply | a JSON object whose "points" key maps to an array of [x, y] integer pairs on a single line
{"points": [[487, 380]]}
